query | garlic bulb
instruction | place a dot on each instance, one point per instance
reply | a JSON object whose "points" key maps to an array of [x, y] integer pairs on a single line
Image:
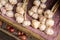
{"points": [[20, 19], [48, 14], [36, 2], [35, 16], [20, 4], [17, 14], [13, 1], [34, 8], [1, 5], [3, 2], [49, 31], [43, 6], [35, 24], [8, 6], [30, 12], [26, 23], [43, 1], [42, 27], [20, 10], [49, 22], [10, 14], [40, 11]]}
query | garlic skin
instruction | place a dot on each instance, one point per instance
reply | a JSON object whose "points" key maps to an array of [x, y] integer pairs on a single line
{"points": [[40, 11], [17, 14], [30, 13], [35, 24], [1, 5], [20, 4], [13, 1], [10, 13], [35, 16], [36, 3], [43, 1], [43, 6], [49, 22], [20, 10], [8, 6], [49, 31], [48, 14], [34, 9], [20, 19], [26, 23], [42, 27]]}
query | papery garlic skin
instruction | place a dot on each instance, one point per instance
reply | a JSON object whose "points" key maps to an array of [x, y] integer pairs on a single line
{"points": [[43, 6], [20, 19], [49, 22], [8, 6], [36, 3], [43, 1], [42, 27], [10, 14], [35, 24], [13, 1], [1, 5], [49, 31], [26, 23], [17, 14]]}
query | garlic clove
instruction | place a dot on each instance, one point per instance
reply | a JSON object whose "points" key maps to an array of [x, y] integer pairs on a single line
{"points": [[35, 24], [43, 1], [20, 19], [26, 23], [13, 2], [49, 31], [36, 3], [49, 22], [35, 16], [10, 13]]}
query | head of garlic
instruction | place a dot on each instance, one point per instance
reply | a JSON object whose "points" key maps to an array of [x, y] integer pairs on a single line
{"points": [[35, 24], [10, 14], [26, 23], [49, 31]]}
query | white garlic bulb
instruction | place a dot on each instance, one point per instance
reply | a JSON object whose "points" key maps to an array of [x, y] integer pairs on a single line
{"points": [[36, 2], [3, 2], [20, 10], [20, 19], [26, 23], [1, 5], [49, 31], [8, 6], [49, 22], [34, 8], [13, 1], [42, 27], [35, 24], [30, 12], [10, 13], [43, 1], [48, 14], [43, 6], [35, 16], [40, 11]]}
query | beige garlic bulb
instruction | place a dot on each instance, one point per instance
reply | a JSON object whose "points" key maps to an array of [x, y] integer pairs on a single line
{"points": [[13, 1], [3, 2], [35, 16], [48, 14], [10, 13], [42, 27], [30, 13], [26, 23], [49, 31], [36, 2], [1, 5], [34, 8], [35, 24], [43, 1], [8, 6], [40, 11], [20, 10], [42, 19], [49, 22], [42, 5], [20, 19]]}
